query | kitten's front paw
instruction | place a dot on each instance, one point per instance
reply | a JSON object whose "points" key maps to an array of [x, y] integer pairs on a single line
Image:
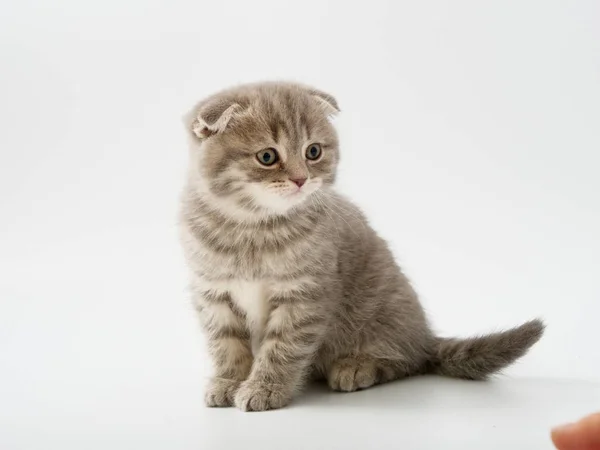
{"points": [[255, 396], [221, 392]]}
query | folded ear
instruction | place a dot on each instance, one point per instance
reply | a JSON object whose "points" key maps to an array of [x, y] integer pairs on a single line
{"points": [[327, 101], [211, 116]]}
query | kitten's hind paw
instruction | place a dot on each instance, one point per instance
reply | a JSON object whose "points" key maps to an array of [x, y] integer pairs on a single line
{"points": [[351, 374], [255, 396], [221, 392]]}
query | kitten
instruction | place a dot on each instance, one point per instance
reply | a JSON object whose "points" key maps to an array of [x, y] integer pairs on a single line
{"points": [[289, 280]]}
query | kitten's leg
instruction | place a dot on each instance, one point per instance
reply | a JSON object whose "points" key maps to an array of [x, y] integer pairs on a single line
{"points": [[229, 346], [294, 331]]}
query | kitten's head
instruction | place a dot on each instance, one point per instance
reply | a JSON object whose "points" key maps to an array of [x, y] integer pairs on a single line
{"points": [[264, 147]]}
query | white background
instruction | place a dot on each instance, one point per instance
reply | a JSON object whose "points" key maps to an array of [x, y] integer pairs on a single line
{"points": [[470, 134]]}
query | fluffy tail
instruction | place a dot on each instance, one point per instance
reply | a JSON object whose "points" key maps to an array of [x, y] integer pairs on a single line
{"points": [[477, 358]]}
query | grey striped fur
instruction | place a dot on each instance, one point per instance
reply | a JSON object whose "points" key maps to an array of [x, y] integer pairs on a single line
{"points": [[292, 283]]}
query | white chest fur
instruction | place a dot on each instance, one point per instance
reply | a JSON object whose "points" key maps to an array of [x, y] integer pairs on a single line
{"points": [[251, 298]]}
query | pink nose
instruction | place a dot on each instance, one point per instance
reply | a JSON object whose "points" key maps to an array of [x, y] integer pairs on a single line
{"points": [[299, 181]]}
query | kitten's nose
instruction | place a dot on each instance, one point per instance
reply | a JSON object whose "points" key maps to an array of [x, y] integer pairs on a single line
{"points": [[299, 181]]}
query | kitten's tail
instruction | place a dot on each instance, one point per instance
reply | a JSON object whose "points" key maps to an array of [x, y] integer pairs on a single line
{"points": [[478, 357]]}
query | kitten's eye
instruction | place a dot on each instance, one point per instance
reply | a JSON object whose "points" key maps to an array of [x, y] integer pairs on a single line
{"points": [[313, 152], [267, 157]]}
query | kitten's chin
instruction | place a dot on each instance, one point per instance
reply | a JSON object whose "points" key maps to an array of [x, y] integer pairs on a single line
{"points": [[279, 202]]}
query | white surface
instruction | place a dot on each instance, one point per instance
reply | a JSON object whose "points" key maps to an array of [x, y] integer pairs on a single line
{"points": [[479, 119], [113, 362]]}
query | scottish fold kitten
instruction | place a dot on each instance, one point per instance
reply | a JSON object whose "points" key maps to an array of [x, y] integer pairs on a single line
{"points": [[289, 279]]}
